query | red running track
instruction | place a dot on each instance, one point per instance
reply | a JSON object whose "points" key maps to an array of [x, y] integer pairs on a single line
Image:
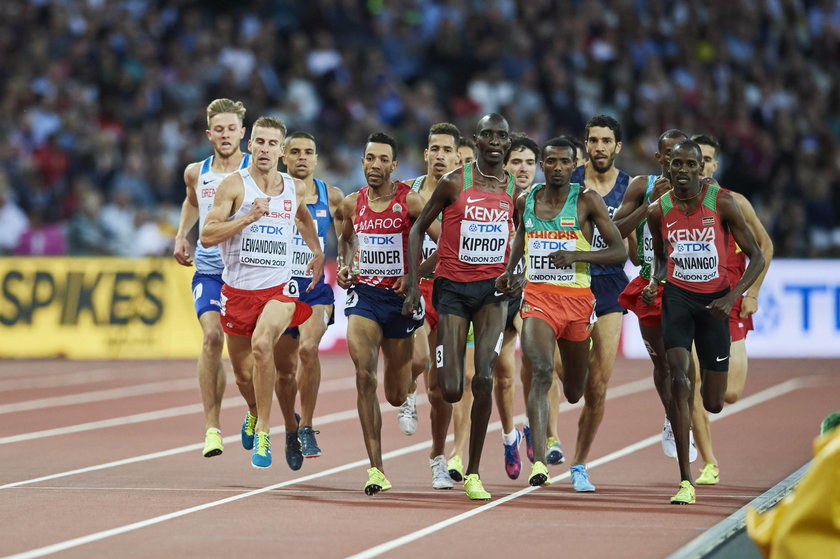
{"points": [[102, 459]]}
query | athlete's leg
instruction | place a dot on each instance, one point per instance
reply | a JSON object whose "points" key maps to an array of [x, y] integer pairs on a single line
{"points": [[504, 374], [605, 335], [555, 395], [396, 354], [420, 356], [285, 386], [441, 412], [680, 409], [738, 365], [272, 322], [652, 336], [700, 417], [538, 342], [363, 339], [309, 367], [211, 373], [242, 362], [461, 409], [488, 322], [451, 341]]}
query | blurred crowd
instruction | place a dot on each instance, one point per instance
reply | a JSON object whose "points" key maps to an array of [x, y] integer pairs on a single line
{"points": [[103, 100]]}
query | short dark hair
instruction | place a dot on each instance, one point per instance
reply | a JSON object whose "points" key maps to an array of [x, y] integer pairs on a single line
{"points": [[466, 142], [560, 142], [607, 122], [383, 138], [446, 128], [520, 141], [671, 134], [300, 134], [707, 140], [578, 144], [689, 144]]}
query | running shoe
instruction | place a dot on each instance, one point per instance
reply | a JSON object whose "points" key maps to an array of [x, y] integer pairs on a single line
{"points": [[513, 464], [261, 456], [407, 414], [685, 496], [554, 453], [440, 475], [539, 475], [669, 444], [456, 468], [248, 427], [308, 444], [529, 444], [580, 479], [475, 491], [709, 475], [376, 482], [212, 443], [294, 458]]}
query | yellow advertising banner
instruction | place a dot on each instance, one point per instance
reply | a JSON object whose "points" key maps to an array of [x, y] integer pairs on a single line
{"points": [[97, 308]]}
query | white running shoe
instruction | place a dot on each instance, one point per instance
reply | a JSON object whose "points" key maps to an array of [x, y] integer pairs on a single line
{"points": [[669, 444], [407, 414], [440, 473]]}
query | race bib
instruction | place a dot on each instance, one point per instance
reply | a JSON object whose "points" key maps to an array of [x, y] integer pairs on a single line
{"points": [[301, 256], [483, 242], [695, 261], [381, 255], [264, 245], [291, 289], [540, 267]]}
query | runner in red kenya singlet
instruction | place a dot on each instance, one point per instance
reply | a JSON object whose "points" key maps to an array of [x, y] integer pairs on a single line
{"points": [[690, 227], [478, 208]]}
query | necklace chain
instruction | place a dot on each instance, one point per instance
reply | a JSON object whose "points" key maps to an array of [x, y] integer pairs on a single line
{"points": [[477, 168], [689, 198], [388, 195]]}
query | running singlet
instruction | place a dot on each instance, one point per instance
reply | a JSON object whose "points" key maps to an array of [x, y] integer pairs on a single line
{"points": [[736, 262], [429, 245], [613, 200], [257, 257], [644, 240], [320, 211], [209, 260], [474, 241], [383, 239], [542, 237], [697, 244]]}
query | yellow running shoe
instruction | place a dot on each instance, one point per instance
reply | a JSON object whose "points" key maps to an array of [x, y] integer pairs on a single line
{"points": [[685, 496], [539, 475], [709, 475], [474, 489], [212, 443], [456, 468], [376, 482]]}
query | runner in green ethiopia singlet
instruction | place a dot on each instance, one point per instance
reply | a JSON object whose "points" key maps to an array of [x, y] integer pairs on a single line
{"points": [[542, 237]]}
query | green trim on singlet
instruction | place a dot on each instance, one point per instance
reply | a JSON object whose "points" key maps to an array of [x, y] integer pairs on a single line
{"points": [[710, 199], [417, 184], [468, 179]]}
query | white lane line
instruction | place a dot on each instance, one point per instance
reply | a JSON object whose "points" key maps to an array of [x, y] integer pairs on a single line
{"points": [[745, 403], [750, 401], [617, 392], [329, 386]]}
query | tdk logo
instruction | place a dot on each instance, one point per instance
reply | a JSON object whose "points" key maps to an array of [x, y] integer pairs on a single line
{"points": [[267, 229], [379, 240], [693, 247], [549, 244], [486, 228], [298, 241]]}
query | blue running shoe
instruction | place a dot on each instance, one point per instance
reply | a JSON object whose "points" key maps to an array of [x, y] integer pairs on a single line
{"points": [[529, 444], [294, 457], [580, 479], [308, 444], [261, 456], [513, 463], [248, 427], [554, 452]]}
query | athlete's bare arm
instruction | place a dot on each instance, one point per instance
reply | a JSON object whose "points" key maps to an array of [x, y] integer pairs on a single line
{"points": [[447, 191], [508, 283], [228, 199], [732, 216], [336, 202], [347, 241], [189, 215], [749, 305], [309, 233]]}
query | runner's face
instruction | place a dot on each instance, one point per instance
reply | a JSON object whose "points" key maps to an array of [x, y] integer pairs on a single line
{"points": [[300, 157], [558, 164], [602, 148], [710, 162], [522, 164], [664, 153], [686, 169], [378, 163], [466, 154], [441, 156], [225, 133], [492, 140], [266, 147]]}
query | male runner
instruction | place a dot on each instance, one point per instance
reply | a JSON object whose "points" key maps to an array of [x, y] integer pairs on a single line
{"points": [[557, 225], [690, 227], [252, 218], [296, 355], [740, 318], [603, 144], [478, 209], [225, 131], [372, 246]]}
